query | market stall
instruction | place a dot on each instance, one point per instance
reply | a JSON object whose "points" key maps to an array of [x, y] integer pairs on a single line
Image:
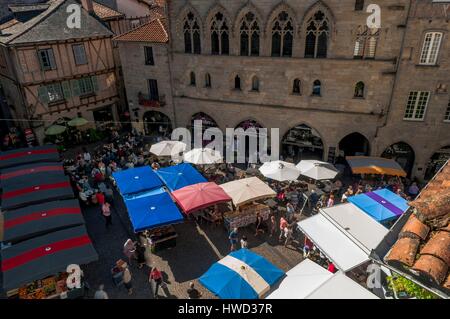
{"points": [[375, 165], [309, 280], [161, 238], [22, 173], [34, 220], [152, 210], [35, 268], [136, 180], [246, 215], [198, 196], [202, 156], [382, 205], [45, 153], [168, 148], [279, 171], [241, 275], [365, 232], [53, 187], [245, 193], [317, 170], [179, 176]]}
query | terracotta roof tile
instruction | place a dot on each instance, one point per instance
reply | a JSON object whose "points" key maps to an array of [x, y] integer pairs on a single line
{"points": [[416, 227], [438, 246], [104, 12], [153, 31], [447, 282], [446, 228], [404, 251], [432, 267]]}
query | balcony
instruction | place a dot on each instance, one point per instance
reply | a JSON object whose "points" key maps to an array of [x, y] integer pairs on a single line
{"points": [[148, 101]]}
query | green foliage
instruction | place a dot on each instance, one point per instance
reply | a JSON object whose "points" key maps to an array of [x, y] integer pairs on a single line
{"points": [[401, 284]]}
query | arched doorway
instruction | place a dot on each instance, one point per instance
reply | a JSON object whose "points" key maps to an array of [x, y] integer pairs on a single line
{"points": [[157, 124], [403, 154], [302, 142], [354, 144], [248, 124], [437, 161], [207, 122]]}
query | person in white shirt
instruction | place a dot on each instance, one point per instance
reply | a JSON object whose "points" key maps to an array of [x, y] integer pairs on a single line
{"points": [[101, 293], [86, 155], [244, 243]]}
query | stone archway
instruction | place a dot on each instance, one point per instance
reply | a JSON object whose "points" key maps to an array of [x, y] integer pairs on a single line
{"points": [[157, 124], [403, 154], [302, 142], [436, 161], [354, 144], [207, 122]]}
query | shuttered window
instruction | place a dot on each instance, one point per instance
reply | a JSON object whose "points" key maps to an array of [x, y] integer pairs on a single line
{"points": [[84, 86], [46, 59], [153, 90], [79, 54]]}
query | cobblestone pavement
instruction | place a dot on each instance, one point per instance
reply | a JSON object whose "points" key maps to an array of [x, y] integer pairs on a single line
{"points": [[198, 247]]}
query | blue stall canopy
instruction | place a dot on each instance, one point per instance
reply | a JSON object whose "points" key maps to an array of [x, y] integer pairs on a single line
{"points": [[382, 205], [136, 180], [241, 275], [179, 176], [152, 209]]}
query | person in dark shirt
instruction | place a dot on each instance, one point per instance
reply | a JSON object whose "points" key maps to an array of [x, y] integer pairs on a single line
{"points": [[192, 292]]}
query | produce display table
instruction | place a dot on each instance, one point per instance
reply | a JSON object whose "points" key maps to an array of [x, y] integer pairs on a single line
{"points": [[53, 287], [245, 216], [161, 238]]}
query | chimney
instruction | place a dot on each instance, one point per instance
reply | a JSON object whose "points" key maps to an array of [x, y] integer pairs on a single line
{"points": [[88, 6]]}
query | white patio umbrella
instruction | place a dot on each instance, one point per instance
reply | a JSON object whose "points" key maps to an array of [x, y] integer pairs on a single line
{"points": [[317, 170], [201, 156], [280, 171], [247, 190], [168, 148]]}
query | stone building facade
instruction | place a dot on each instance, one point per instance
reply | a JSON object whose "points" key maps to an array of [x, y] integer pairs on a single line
{"points": [[313, 69]]}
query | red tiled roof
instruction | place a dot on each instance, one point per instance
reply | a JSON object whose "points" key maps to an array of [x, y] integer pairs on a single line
{"points": [[415, 227], [104, 12], [153, 31], [428, 227], [432, 267], [438, 246], [404, 251]]}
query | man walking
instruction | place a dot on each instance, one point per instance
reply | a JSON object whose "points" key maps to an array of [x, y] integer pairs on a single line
{"points": [[106, 212]]}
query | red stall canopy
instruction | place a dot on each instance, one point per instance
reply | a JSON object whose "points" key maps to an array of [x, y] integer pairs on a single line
{"points": [[198, 196]]}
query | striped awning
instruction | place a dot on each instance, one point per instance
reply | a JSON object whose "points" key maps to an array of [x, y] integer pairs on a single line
{"points": [[45, 153], [24, 173], [241, 275], [46, 255], [35, 220], [374, 165], [36, 191]]}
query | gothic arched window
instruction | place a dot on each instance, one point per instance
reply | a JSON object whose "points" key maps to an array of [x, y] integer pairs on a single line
{"points": [[296, 87], [220, 43], [191, 31], [237, 83], [317, 32], [366, 43], [192, 80], [255, 84], [317, 88], [359, 89], [249, 33], [207, 80], [282, 35]]}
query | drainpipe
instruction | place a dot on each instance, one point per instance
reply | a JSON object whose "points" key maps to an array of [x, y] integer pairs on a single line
{"points": [[169, 57], [397, 68]]}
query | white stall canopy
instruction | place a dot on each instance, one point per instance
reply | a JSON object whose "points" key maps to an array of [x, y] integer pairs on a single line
{"points": [[309, 280], [301, 280], [365, 231], [333, 243]]}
